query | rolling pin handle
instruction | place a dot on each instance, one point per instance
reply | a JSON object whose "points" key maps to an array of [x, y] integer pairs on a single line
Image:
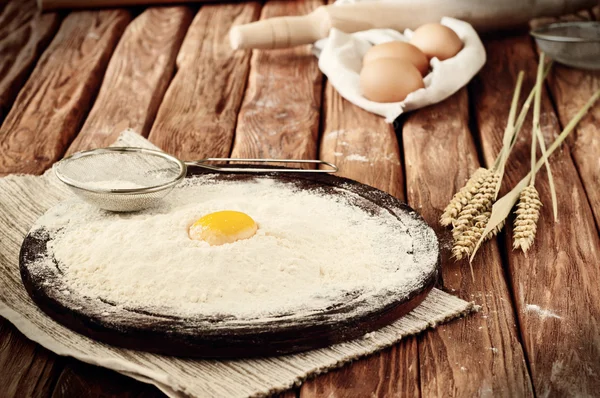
{"points": [[281, 32]]}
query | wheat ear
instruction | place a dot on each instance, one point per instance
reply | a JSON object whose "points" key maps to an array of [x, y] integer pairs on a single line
{"points": [[465, 241], [473, 218], [462, 198], [496, 230], [528, 213]]}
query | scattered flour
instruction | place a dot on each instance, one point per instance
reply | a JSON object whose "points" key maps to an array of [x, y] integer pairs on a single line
{"points": [[112, 184], [309, 249], [357, 158], [541, 312], [334, 134]]}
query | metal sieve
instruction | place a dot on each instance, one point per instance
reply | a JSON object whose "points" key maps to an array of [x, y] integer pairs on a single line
{"points": [[576, 44], [124, 179]]}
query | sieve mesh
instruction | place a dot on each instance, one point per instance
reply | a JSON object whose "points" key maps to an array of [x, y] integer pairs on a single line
{"points": [[121, 179], [571, 43]]}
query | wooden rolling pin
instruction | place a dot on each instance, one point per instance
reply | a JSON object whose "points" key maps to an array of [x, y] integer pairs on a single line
{"points": [[484, 15], [62, 4]]}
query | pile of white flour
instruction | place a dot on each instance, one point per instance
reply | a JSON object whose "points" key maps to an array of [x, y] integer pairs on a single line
{"points": [[310, 248]]}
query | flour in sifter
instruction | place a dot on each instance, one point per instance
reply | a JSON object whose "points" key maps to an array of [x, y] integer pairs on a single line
{"points": [[310, 248]]}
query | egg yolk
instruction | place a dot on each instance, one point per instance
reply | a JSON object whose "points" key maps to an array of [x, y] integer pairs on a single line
{"points": [[223, 227]]}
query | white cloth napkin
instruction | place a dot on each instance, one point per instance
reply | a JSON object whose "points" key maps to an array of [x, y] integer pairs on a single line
{"points": [[340, 59]]}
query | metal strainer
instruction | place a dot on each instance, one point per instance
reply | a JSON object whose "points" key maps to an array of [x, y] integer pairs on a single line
{"points": [[575, 43], [127, 179]]}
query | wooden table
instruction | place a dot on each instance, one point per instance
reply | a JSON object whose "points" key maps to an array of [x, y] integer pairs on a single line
{"points": [[73, 81]]}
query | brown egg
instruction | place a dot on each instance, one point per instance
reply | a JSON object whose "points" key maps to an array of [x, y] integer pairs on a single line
{"points": [[389, 80], [437, 40], [400, 50]]}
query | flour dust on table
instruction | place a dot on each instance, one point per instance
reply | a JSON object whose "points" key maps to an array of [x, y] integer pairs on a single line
{"points": [[310, 248]]}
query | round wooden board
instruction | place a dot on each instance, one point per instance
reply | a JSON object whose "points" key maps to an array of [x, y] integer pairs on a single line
{"points": [[225, 336]]}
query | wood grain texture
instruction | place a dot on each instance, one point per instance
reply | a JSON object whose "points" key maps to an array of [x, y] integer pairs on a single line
{"points": [[82, 380], [361, 144], [480, 355], [393, 372], [365, 148], [16, 14], [136, 78], [75, 4], [279, 117], [28, 370], [20, 46], [49, 109], [556, 285], [288, 394], [198, 114], [571, 89]]}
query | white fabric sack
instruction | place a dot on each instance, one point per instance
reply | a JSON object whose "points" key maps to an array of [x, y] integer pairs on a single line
{"points": [[340, 59]]}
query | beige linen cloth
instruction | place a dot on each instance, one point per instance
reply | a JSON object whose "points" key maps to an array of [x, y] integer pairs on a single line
{"points": [[23, 198]]}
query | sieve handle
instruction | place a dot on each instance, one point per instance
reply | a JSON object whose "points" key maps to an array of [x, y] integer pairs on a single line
{"points": [[204, 163]]}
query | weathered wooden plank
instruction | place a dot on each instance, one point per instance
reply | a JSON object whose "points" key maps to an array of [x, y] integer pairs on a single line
{"points": [[393, 372], [362, 145], [288, 394], [49, 109], [555, 285], [571, 88], [365, 148], [480, 355], [198, 114], [136, 78], [31, 138], [83, 380], [27, 369], [20, 46], [280, 113], [16, 14]]}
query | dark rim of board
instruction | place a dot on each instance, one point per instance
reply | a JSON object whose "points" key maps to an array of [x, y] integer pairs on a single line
{"points": [[225, 336]]}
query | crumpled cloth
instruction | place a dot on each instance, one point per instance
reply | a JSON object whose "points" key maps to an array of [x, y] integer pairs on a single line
{"points": [[340, 59]]}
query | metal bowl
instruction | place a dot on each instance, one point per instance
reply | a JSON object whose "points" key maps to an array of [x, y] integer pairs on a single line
{"points": [[575, 44]]}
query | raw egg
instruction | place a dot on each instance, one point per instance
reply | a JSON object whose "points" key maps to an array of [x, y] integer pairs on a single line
{"points": [[223, 227], [389, 80], [437, 40], [399, 50]]}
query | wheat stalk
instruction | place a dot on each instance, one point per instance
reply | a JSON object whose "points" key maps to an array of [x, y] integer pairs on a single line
{"points": [[462, 198], [528, 213], [501, 209], [537, 131]]}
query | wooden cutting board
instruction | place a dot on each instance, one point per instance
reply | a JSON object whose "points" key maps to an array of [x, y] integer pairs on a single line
{"points": [[351, 316]]}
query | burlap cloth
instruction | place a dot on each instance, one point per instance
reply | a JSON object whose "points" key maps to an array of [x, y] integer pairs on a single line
{"points": [[24, 198]]}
